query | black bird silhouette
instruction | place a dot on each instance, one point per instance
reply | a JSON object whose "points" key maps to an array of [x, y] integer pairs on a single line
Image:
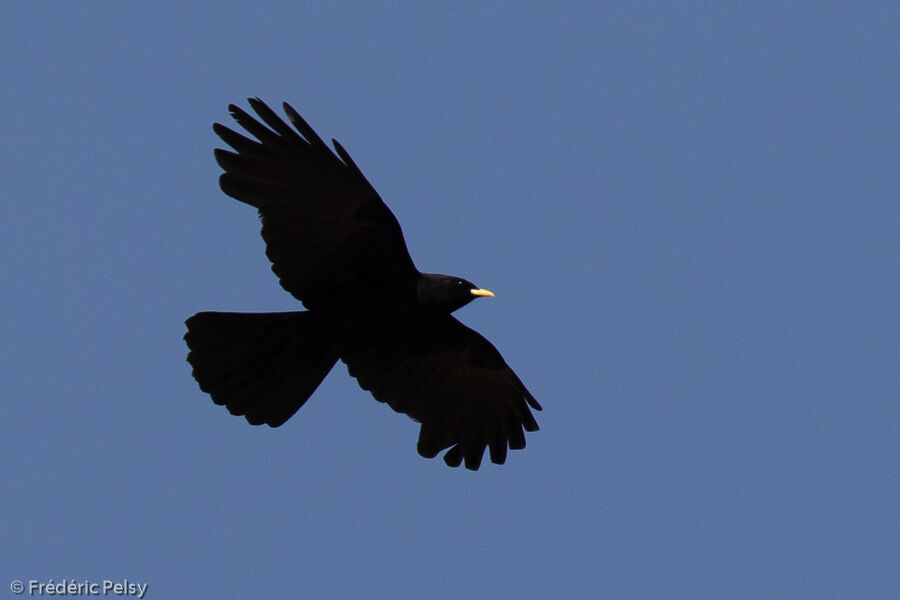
{"points": [[337, 248]]}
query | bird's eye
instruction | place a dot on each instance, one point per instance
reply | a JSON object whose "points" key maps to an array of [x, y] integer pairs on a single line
{"points": [[460, 283]]}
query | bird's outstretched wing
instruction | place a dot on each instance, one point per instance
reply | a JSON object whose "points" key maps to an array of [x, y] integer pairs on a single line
{"points": [[324, 225], [455, 383]]}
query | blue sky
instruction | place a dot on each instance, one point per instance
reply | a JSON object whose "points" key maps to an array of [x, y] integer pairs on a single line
{"points": [[689, 214]]}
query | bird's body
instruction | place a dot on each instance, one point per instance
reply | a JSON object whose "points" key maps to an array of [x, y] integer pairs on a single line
{"points": [[338, 248]]}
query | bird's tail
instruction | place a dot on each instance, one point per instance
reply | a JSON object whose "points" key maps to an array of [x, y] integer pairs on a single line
{"points": [[264, 366]]}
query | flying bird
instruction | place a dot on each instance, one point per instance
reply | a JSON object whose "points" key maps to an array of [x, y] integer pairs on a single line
{"points": [[337, 247]]}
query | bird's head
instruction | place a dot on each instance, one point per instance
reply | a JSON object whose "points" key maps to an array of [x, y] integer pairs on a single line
{"points": [[448, 293]]}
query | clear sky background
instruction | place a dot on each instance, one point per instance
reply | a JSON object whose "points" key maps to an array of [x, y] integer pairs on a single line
{"points": [[689, 214]]}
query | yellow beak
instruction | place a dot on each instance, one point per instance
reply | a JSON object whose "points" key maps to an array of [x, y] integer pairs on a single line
{"points": [[482, 292]]}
